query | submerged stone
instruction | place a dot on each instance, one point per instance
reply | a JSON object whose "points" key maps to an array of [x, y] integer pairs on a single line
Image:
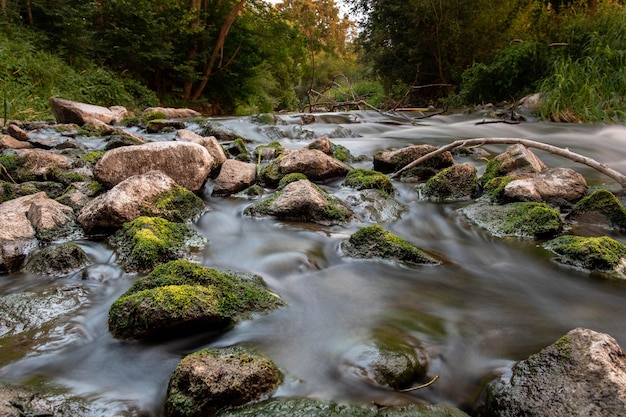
{"points": [[184, 296], [149, 241], [211, 380], [535, 220], [602, 254], [374, 242], [372, 205]]}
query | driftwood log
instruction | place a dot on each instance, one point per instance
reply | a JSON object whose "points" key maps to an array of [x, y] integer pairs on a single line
{"points": [[566, 153]]}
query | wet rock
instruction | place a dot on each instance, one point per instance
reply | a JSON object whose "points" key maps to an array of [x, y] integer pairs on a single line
{"points": [[601, 208], [211, 380], [51, 220], [531, 102], [172, 113], [58, 260], [8, 142], [189, 164], [163, 125], [391, 161], [374, 242], [321, 144], [67, 111], [517, 160], [556, 185], [581, 374], [147, 242], [454, 183], [120, 140], [308, 407], [302, 201], [78, 194], [17, 132], [18, 235], [316, 165], [149, 194], [39, 164], [361, 179], [209, 142], [268, 152], [234, 176], [239, 150], [181, 295], [10, 190], [525, 219], [597, 254]]}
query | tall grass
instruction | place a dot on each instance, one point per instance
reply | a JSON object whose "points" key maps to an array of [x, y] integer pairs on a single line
{"points": [[29, 77], [588, 84]]}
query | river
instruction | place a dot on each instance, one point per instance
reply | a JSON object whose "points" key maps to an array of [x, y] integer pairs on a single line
{"points": [[492, 301]]}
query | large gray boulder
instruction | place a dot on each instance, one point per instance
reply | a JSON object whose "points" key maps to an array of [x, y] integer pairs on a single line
{"points": [[210, 380], [67, 111], [152, 193], [556, 185], [22, 219], [234, 176], [302, 201], [516, 161], [582, 374], [189, 164], [40, 164], [315, 164], [209, 142]]}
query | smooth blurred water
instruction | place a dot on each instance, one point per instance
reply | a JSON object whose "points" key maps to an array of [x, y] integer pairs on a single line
{"points": [[491, 302]]}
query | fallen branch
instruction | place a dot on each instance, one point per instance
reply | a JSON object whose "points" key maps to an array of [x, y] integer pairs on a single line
{"points": [[566, 153], [7, 174], [428, 384]]}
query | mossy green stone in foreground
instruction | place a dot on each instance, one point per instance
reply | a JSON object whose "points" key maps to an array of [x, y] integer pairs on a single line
{"points": [[362, 179], [374, 242], [591, 253], [148, 241], [605, 203], [455, 182], [180, 293]]}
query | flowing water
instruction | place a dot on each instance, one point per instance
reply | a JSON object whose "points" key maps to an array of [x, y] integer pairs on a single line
{"points": [[492, 302]]}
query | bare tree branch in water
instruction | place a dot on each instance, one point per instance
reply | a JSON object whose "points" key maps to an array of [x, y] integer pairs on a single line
{"points": [[566, 153]]}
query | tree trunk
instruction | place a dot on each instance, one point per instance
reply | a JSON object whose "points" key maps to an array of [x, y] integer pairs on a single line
{"points": [[218, 51], [566, 153]]}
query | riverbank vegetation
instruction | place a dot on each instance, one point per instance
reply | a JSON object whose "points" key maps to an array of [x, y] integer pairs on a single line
{"points": [[243, 57]]}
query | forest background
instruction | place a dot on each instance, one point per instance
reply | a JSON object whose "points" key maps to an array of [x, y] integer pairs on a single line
{"points": [[239, 57]]}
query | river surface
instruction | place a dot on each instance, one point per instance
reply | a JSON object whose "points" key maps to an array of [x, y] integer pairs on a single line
{"points": [[492, 301]]}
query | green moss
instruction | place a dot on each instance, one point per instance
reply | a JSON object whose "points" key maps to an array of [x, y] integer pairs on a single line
{"points": [[289, 178], [492, 170], [155, 115], [605, 203], [9, 166], [7, 191], [494, 188], [239, 150], [532, 219], [254, 191], [341, 153], [149, 241], [360, 179], [457, 181], [564, 346], [237, 293], [376, 242], [138, 314], [91, 158], [270, 174], [176, 205], [58, 260], [592, 253]]}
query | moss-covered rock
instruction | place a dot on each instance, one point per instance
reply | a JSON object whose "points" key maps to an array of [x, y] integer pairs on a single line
{"points": [[535, 220], [180, 294], [58, 260], [211, 380], [392, 161], [494, 188], [372, 205], [289, 178], [268, 152], [149, 241], [602, 254], [517, 160], [308, 407], [600, 207], [377, 243], [452, 183], [239, 150], [302, 201], [176, 205], [362, 179]]}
